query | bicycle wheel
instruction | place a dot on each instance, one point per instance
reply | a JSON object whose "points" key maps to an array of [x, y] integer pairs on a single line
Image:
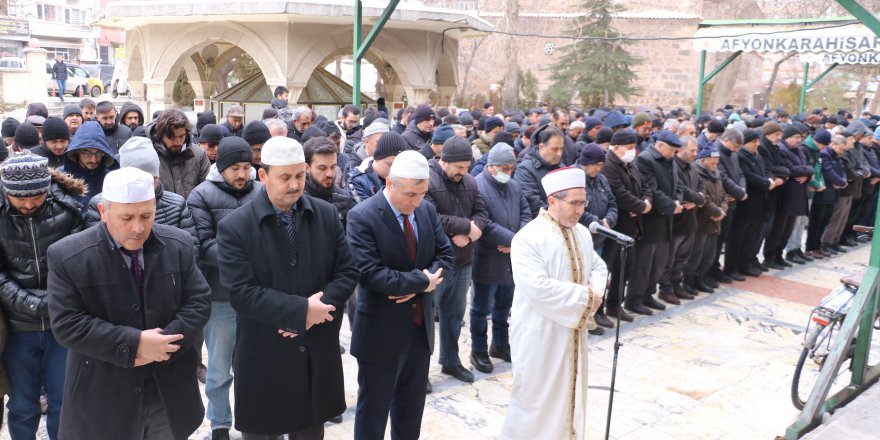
{"points": [[809, 366]]}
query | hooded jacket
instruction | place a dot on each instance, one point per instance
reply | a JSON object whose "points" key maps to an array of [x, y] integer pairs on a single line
{"points": [[23, 245], [363, 182], [90, 135], [171, 210], [209, 203], [130, 107], [529, 173], [43, 150], [181, 172]]}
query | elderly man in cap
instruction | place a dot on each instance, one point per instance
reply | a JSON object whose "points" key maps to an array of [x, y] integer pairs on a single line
{"points": [[708, 223], [72, 117], [235, 121], [287, 267], [559, 282], [230, 184], [402, 253], [128, 301], [654, 249], [367, 146], [462, 213], [420, 128], [508, 212], [209, 139], [38, 207]]}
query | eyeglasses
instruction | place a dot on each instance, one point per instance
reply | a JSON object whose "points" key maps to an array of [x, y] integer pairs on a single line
{"points": [[97, 154], [580, 204]]}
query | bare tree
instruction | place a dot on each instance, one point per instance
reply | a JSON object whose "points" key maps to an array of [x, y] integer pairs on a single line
{"points": [[510, 93], [475, 46], [773, 75]]}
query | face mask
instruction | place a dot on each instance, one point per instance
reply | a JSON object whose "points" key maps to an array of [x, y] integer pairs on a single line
{"points": [[629, 156], [502, 178]]}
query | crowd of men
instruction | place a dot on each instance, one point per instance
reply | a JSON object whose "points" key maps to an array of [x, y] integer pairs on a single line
{"points": [[127, 244]]}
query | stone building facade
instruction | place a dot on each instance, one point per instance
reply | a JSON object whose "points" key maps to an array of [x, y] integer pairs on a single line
{"points": [[668, 75]]}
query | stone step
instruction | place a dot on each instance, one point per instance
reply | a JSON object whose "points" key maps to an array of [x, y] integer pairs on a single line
{"points": [[856, 421], [56, 107]]}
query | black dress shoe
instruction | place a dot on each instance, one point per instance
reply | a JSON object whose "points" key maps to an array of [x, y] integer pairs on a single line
{"points": [[459, 372], [700, 284], [803, 256], [772, 264], [681, 294], [429, 389], [598, 331], [649, 301], [202, 373], [837, 248], [603, 320], [689, 289], [751, 272], [669, 298], [722, 277], [500, 352], [709, 282], [613, 312], [757, 265], [735, 276], [480, 361], [639, 309], [782, 262], [795, 258], [336, 419], [848, 242], [220, 434]]}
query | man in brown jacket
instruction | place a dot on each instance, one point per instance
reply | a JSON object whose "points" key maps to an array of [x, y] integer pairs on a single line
{"points": [[709, 219]]}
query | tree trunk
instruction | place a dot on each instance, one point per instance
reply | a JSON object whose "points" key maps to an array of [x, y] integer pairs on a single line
{"points": [[462, 93], [724, 84], [859, 103], [773, 75], [510, 94]]}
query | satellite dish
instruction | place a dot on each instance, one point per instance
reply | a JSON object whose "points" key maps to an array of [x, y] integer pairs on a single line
{"points": [[209, 54]]}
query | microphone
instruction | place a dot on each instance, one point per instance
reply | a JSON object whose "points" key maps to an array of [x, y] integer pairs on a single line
{"points": [[625, 240]]}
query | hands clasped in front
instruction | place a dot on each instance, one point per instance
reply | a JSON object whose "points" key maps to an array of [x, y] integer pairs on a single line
{"points": [[154, 346], [434, 279], [318, 313]]}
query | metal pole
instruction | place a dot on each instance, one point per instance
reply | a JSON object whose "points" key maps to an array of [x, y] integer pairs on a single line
{"points": [[804, 88], [861, 14], [702, 83], [356, 62], [617, 343]]}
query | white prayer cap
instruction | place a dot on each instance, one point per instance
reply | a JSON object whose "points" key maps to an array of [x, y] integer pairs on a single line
{"points": [[563, 179], [128, 185], [282, 150], [410, 164]]}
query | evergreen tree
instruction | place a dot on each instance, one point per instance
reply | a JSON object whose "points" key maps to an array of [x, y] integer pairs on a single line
{"points": [[594, 72]]}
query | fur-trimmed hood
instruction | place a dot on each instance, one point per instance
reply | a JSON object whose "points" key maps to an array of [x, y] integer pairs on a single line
{"points": [[69, 184]]}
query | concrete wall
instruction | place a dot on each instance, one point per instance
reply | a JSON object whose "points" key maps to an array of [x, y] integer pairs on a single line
{"points": [[22, 86]]}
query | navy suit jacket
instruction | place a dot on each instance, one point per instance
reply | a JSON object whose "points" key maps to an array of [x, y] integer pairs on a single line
{"points": [[382, 327]]}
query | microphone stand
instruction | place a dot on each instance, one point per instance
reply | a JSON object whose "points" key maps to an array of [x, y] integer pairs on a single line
{"points": [[617, 343]]}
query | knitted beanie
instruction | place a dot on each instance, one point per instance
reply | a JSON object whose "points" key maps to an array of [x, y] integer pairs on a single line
{"points": [[25, 174]]}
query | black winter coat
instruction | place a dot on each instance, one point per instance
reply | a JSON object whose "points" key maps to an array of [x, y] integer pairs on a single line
{"points": [[529, 173], [794, 194], [458, 204], [716, 202], [834, 173], [772, 157], [415, 138], [661, 177], [601, 206], [857, 171], [23, 244], [693, 191], [336, 196], [117, 137], [98, 315], [171, 210], [285, 385], [630, 192], [755, 208], [209, 203], [43, 150], [507, 213]]}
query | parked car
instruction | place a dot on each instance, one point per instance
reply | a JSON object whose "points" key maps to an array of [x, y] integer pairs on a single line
{"points": [[12, 63], [95, 86], [103, 72], [76, 85]]}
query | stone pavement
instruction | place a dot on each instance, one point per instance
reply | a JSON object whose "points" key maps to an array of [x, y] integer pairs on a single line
{"points": [[718, 367], [856, 421]]}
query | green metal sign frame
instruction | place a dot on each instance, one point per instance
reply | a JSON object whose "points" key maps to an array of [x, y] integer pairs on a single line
{"points": [[360, 47]]}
